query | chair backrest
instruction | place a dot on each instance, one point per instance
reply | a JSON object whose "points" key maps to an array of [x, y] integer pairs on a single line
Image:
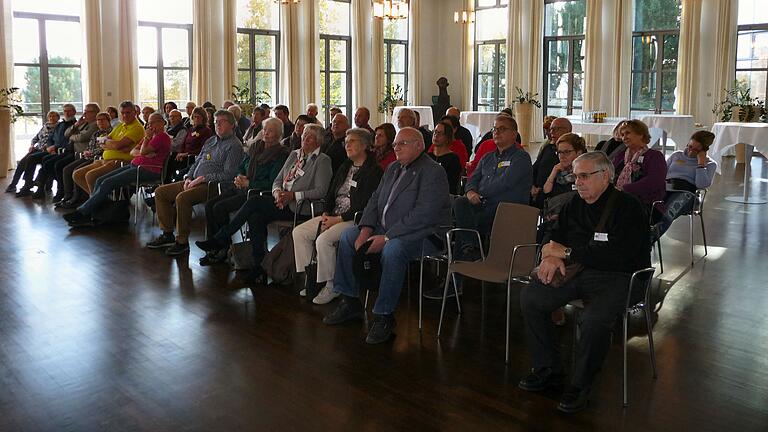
{"points": [[641, 280], [514, 224], [656, 135]]}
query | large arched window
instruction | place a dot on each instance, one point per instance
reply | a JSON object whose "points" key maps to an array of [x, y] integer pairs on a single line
{"points": [[164, 51], [335, 56], [490, 83], [258, 49], [752, 48], [564, 27]]}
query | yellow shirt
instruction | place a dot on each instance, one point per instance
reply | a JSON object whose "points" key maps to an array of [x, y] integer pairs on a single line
{"points": [[134, 131]]}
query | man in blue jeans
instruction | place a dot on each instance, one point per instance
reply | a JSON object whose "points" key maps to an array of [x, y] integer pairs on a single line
{"points": [[410, 204]]}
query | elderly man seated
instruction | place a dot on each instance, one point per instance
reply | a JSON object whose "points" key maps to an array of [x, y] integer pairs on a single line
{"points": [[176, 129], [410, 204], [305, 176], [282, 114], [547, 158], [293, 141], [362, 117], [312, 110], [252, 134], [606, 231], [218, 161], [241, 122], [334, 147]]}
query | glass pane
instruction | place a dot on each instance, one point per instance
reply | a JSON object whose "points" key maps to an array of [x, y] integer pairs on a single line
{"points": [[57, 7], [27, 79], [63, 42], [558, 56], [338, 55], [491, 24], [578, 82], [398, 79], [752, 49], [323, 97], [486, 58], [265, 51], [257, 14], [65, 86], [266, 82], [338, 89], [176, 86], [752, 12], [485, 3], [26, 44], [557, 112], [148, 87], [669, 61], [334, 17], [322, 55], [754, 80], [668, 86], [557, 89], [175, 47], [165, 11], [24, 129], [243, 79], [657, 15], [396, 29], [565, 18], [398, 58], [485, 89], [243, 51], [578, 61], [643, 90], [644, 52], [147, 46], [386, 57]]}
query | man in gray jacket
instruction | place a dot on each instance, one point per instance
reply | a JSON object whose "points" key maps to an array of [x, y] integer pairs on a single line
{"points": [[305, 177], [410, 205]]}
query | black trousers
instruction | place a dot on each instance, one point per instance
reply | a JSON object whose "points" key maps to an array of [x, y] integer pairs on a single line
{"points": [[217, 209], [604, 294], [48, 168], [69, 186], [31, 161]]}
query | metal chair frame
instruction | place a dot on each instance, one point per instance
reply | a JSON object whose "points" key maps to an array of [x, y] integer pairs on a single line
{"points": [[698, 210]]}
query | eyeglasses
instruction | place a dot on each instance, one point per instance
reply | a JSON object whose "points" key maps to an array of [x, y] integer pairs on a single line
{"points": [[498, 130], [401, 143], [582, 176], [564, 152]]}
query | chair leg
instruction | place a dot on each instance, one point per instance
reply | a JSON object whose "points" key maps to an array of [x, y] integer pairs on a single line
{"points": [[445, 294], [703, 233], [690, 231], [421, 290], [365, 303], [624, 371], [509, 307], [456, 293], [650, 340], [661, 260]]}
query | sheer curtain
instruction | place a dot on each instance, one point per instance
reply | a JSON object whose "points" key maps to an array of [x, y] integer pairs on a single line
{"points": [[621, 58], [92, 72], [688, 58], [524, 55], [414, 54], [127, 84], [468, 58], [593, 55], [299, 62], [6, 81], [724, 57], [367, 69]]}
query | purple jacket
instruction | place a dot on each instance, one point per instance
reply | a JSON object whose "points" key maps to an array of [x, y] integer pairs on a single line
{"points": [[649, 182]]}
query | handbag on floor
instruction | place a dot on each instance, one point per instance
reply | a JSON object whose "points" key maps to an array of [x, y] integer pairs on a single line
{"points": [[280, 263], [113, 212], [241, 255], [310, 271]]}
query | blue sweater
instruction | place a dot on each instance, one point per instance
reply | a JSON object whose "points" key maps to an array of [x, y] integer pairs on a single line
{"points": [[681, 166], [503, 177]]}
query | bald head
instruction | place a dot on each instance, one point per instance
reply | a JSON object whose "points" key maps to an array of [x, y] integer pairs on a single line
{"points": [[362, 116], [453, 112], [339, 126], [559, 127], [409, 143]]}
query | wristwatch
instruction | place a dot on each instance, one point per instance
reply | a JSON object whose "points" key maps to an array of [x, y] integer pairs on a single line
{"points": [[568, 254]]}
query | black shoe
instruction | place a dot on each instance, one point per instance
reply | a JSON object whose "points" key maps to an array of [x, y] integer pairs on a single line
{"points": [[24, 192], [86, 222], [163, 241], [437, 293], [39, 193], [68, 204], [381, 329], [75, 216], [255, 277], [61, 199], [214, 257], [541, 379], [58, 197], [349, 309], [210, 245], [574, 399], [177, 249], [11, 188]]}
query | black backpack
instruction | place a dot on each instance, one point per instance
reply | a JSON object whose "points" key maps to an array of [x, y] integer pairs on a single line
{"points": [[113, 212]]}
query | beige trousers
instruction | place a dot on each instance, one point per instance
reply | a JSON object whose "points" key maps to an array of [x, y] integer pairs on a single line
{"points": [[326, 243], [179, 216]]}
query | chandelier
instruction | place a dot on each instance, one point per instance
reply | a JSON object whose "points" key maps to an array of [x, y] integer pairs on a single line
{"points": [[286, 1], [464, 17], [390, 9]]}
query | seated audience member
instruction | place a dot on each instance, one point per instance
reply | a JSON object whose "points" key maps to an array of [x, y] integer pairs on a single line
{"points": [[489, 135], [482, 149], [441, 153], [117, 148], [547, 158], [79, 136], [137, 108], [502, 176], [145, 113], [424, 130], [312, 110], [194, 139], [335, 147], [208, 104], [305, 176], [35, 153], [560, 179], [147, 165], [293, 142], [176, 129], [640, 171], [167, 108], [455, 145], [547, 123], [266, 109], [687, 171], [241, 122], [252, 133], [210, 118], [362, 117], [461, 132], [608, 258], [258, 171], [219, 160], [73, 194], [331, 114], [613, 145], [350, 190], [113, 115], [408, 207], [189, 108], [406, 117], [382, 145], [282, 114], [227, 103]]}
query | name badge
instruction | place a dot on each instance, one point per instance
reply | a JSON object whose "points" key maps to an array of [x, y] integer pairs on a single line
{"points": [[601, 237], [207, 156], [352, 184], [299, 172], [573, 186], [504, 164], [680, 162], [640, 159]]}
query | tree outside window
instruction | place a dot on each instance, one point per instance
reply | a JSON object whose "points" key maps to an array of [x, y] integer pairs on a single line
{"points": [[258, 49], [490, 80], [752, 48], [564, 27], [335, 56]]}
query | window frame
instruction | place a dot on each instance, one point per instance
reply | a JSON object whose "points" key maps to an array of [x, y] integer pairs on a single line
{"points": [[159, 67], [252, 69], [496, 104], [658, 71], [388, 44], [747, 28], [570, 72], [43, 65], [326, 71]]}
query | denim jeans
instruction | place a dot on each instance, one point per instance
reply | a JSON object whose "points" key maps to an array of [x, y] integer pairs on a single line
{"points": [[105, 184]]}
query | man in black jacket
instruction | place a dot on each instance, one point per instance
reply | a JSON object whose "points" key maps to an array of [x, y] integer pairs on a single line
{"points": [[610, 248], [461, 133]]}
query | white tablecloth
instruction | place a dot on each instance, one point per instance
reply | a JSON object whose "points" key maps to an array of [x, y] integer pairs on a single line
{"points": [[679, 128], [478, 122], [731, 133], [603, 129], [425, 115]]}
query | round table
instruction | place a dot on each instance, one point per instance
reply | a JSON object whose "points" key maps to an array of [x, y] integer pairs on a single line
{"points": [[478, 122], [677, 127], [604, 129], [753, 136]]}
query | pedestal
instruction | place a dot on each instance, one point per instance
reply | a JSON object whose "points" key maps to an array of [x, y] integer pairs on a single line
{"points": [[524, 117]]}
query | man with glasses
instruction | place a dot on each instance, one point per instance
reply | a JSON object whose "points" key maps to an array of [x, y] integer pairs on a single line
{"points": [[503, 175], [547, 158], [609, 248], [410, 205]]}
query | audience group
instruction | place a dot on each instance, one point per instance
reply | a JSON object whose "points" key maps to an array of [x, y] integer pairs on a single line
{"points": [[360, 194]]}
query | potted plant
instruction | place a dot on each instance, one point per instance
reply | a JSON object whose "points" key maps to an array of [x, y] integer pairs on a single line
{"points": [[523, 105], [242, 96], [392, 97], [9, 104], [739, 106]]}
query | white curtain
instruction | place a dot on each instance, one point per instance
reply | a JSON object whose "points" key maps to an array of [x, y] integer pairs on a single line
{"points": [[724, 56], [621, 58], [524, 55], [468, 58], [229, 47], [414, 54], [128, 78], [366, 79], [299, 62], [92, 70], [7, 159], [377, 70], [688, 58], [593, 55]]}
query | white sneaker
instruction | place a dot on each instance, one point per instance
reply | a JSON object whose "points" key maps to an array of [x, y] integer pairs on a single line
{"points": [[326, 295], [303, 292]]}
